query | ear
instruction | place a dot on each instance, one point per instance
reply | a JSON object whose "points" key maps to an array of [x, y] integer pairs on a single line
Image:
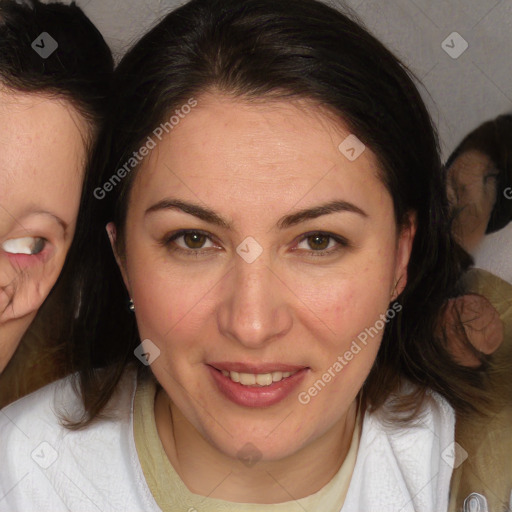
{"points": [[404, 248], [112, 235]]}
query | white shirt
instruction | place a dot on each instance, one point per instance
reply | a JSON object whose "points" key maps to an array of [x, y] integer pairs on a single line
{"points": [[45, 467]]}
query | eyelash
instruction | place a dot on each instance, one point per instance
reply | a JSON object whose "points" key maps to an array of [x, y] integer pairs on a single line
{"points": [[168, 243]]}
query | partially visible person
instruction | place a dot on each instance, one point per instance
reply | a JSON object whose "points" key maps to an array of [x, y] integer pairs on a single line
{"points": [[479, 175], [55, 74], [480, 188]]}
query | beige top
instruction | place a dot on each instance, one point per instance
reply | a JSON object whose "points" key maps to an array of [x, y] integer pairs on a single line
{"points": [[488, 441], [171, 494]]}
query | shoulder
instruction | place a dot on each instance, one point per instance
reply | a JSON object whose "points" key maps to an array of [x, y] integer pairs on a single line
{"points": [[408, 466], [46, 466], [33, 414], [44, 412]]}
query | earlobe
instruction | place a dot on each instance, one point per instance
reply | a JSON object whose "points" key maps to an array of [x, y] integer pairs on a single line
{"points": [[112, 235], [404, 249]]}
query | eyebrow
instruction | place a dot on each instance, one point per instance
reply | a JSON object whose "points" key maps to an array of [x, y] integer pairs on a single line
{"points": [[287, 221]]}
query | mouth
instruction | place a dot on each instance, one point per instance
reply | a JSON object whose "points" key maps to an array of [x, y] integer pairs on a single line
{"points": [[257, 379], [256, 375], [256, 385]]}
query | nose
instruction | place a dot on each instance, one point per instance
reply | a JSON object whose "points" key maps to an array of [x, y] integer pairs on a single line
{"points": [[255, 309]]}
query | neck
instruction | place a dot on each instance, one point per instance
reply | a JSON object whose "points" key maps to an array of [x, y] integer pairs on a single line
{"points": [[300, 475]]}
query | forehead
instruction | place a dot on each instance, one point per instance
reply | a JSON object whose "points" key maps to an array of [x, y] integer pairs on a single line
{"points": [[471, 160], [42, 141], [34, 126], [258, 150]]}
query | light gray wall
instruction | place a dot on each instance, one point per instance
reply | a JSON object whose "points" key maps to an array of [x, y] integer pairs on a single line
{"points": [[462, 92]]}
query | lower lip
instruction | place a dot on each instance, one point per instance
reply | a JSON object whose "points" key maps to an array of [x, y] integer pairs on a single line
{"points": [[257, 396]]}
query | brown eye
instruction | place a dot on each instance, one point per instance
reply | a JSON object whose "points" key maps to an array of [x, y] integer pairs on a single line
{"points": [[318, 242], [322, 244], [194, 240], [188, 241]]}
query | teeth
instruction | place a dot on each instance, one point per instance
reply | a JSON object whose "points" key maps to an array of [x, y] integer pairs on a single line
{"points": [[264, 380], [247, 379], [277, 376], [261, 379]]}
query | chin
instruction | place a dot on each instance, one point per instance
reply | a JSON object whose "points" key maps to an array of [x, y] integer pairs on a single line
{"points": [[269, 445]]}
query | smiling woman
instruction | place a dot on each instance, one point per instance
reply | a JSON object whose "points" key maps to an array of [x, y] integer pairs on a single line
{"points": [[277, 224], [51, 108]]}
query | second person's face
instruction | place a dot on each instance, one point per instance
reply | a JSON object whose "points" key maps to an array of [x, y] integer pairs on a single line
{"points": [[472, 190], [41, 170]]}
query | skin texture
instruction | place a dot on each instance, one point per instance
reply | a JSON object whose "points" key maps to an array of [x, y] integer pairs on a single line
{"points": [[472, 190], [270, 159], [41, 170]]}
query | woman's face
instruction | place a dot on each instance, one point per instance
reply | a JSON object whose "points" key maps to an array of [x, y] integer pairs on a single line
{"points": [[255, 247], [472, 190], [41, 167]]}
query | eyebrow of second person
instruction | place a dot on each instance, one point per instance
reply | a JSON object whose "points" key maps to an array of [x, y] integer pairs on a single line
{"points": [[287, 221]]}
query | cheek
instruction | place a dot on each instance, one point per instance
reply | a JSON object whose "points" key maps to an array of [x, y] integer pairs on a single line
{"points": [[170, 306], [347, 302]]}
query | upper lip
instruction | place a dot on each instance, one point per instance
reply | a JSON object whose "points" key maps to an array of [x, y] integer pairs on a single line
{"points": [[259, 368]]}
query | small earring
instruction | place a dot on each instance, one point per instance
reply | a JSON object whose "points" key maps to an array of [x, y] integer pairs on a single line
{"points": [[131, 305]]}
